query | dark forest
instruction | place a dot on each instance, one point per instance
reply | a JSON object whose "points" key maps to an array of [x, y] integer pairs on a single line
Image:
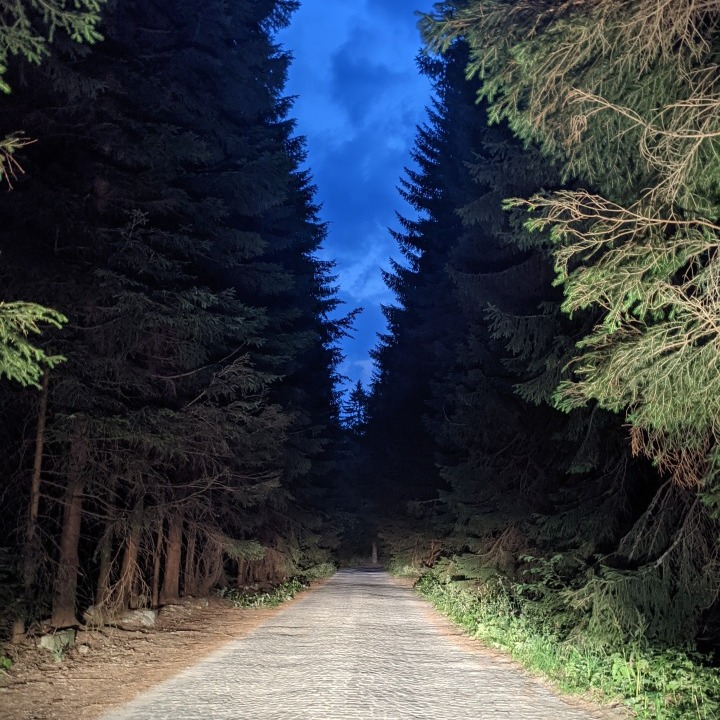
{"points": [[539, 445]]}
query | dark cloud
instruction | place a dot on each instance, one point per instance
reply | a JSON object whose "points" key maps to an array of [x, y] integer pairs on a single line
{"points": [[361, 85]]}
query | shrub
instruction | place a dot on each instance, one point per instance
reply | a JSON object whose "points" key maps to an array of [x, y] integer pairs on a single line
{"points": [[271, 598], [657, 684]]}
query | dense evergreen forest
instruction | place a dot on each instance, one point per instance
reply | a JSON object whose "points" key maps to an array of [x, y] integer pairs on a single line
{"points": [[175, 434], [540, 440]]}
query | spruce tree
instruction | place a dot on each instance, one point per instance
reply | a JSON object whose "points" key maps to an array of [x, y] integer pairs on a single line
{"points": [[424, 326], [629, 260], [634, 239], [181, 236]]}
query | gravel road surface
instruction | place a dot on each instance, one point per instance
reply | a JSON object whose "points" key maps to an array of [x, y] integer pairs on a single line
{"points": [[361, 646]]}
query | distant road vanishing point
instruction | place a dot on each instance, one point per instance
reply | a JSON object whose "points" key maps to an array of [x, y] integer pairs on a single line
{"points": [[361, 646]]}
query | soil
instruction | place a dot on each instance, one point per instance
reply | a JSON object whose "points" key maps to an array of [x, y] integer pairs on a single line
{"points": [[109, 667]]}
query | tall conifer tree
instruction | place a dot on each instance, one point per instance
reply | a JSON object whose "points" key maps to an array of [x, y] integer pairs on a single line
{"points": [[179, 234], [628, 244], [424, 326]]}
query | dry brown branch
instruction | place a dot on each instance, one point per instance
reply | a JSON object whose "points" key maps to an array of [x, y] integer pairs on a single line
{"points": [[10, 168], [590, 219], [686, 467], [670, 141]]}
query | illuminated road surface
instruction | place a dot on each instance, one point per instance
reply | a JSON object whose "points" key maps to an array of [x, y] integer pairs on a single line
{"points": [[361, 646]]}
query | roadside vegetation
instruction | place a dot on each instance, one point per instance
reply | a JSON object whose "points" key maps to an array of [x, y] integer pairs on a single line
{"points": [[254, 597], [551, 456], [656, 684]]}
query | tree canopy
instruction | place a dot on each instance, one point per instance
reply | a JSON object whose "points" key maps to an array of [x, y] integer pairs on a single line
{"points": [[188, 433], [27, 27], [624, 95]]}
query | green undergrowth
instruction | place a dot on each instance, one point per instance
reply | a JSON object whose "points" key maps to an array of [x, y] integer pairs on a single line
{"points": [[249, 598], [277, 595], [402, 568], [657, 684]]}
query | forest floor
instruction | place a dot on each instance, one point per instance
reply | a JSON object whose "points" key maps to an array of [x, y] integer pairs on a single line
{"points": [[108, 667]]}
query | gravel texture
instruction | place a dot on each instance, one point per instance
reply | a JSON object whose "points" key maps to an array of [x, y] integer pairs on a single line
{"points": [[361, 646]]}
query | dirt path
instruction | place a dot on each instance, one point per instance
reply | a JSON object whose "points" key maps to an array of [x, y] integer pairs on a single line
{"points": [[109, 668], [360, 648]]}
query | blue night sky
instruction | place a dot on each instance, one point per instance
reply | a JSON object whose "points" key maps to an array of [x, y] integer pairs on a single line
{"points": [[359, 100]]}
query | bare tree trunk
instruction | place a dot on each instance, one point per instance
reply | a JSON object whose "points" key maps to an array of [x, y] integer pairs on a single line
{"points": [[156, 563], [173, 553], [30, 548], [103, 584], [241, 572], [191, 584], [211, 562], [129, 568], [102, 589], [64, 598]]}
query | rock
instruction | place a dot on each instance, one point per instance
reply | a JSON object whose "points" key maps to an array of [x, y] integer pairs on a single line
{"points": [[124, 619], [185, 607], [195, 603], [58, 641], [174, 611], [95, 616], [135, 619], [83, 649]]}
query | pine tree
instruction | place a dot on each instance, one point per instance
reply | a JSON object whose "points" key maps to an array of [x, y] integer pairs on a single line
{"points": [[355, 409], [632, 267], [182, 236], [26, 29]]}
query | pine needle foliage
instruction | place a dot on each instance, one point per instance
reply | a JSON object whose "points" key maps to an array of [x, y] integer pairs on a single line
{"points": [[624, 94], [28, 27], [20, 360]]}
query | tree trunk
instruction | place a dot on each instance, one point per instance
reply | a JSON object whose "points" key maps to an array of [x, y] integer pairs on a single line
{"points": [[191, 585], [173, 553], [30, 550], [211, 562], [103, 584], [64, 598], [156, 563], [129, 569], [102, 589], [241, 572]]}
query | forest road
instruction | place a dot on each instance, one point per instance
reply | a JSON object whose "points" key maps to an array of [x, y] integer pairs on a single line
{"points": [[361, 646]]}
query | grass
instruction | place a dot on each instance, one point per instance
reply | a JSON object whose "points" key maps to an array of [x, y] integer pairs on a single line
{"points": [[657, 684], [241, 597]]}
